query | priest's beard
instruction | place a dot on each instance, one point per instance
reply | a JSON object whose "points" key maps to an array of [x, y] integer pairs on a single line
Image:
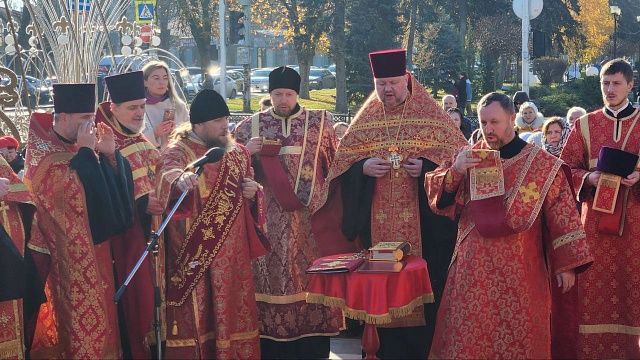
{"points": [[225, 141]]}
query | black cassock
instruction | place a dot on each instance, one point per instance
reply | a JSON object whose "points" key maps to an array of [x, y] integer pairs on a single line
{"points": [[438, 240]]}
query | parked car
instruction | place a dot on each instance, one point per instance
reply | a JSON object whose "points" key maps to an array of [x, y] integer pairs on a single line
{"points": [[332, 68], [231, 86], [237, 76], [38, 92], [321, 79], [191, 85], [194, 83], [260, 80]]}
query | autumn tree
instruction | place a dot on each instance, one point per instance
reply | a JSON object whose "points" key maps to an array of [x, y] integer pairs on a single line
{"points": [[200, 17], [597, 26]]}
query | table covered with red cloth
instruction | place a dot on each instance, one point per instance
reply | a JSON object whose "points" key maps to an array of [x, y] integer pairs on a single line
{"points": [[376, 298]]}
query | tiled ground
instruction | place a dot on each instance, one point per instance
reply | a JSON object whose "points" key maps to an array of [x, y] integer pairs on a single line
{"points": [[345, 348]]}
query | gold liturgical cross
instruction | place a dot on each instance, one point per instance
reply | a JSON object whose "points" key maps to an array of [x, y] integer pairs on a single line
{"points": [[395, 160], [381, 217], [405, 215], [530, 192]]}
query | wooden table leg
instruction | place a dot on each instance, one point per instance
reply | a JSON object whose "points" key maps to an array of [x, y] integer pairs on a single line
{"points": [[370, 341]]}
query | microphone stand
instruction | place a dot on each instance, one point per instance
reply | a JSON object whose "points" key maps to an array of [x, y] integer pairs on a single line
{"points": [[153, 248]]}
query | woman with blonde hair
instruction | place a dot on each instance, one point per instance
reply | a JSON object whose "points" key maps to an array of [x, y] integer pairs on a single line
{"points": [[529, 119], [164, 110]]}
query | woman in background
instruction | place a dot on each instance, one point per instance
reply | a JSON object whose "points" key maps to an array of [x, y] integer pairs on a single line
{"points": [[164, 110], [555, 133]]}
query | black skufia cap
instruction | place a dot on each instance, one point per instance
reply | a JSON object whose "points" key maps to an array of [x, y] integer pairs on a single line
{"points": [[126, 87], [207, 105], [74, 98], [284, 78]]}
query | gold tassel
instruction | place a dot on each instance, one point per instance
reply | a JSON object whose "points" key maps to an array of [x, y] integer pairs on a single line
{"points": [[174, 330]]}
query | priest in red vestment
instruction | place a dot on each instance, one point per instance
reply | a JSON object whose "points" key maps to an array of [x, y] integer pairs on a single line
{"points": [[519, 234], [605, 321], [16, 217], [79, 183], [211, 240], [292, 149], [375, 188], [125, 116]]}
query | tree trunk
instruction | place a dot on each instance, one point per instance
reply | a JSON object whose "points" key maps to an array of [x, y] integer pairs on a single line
{"points": [[462, 22], [339, 48], [165, 11], [304, 60], [412, 33]]}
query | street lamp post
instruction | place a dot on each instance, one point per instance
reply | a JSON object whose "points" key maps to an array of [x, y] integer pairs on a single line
{"points": [[616, 12], [638, 61]]}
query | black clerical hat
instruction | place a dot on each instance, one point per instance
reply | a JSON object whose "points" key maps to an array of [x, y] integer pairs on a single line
{"points": [[388, 63], [126, 87], [284, 78], [74, 98], [207, 105]]}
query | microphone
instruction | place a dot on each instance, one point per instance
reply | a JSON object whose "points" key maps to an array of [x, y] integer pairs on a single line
{"points": [[211, 156]]}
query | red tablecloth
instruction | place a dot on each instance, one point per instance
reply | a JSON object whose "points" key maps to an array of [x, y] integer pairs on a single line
{"points": [[376, 298]]}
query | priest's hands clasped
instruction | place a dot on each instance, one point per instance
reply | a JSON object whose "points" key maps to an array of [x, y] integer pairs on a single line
{"points": [[413, 167], [376, 167]]}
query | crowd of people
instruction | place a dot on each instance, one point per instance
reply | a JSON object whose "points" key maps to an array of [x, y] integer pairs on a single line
{"points": [[527, 224]]}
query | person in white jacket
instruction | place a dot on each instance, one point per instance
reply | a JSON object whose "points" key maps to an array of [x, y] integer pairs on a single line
{"points": [[165, 110]]}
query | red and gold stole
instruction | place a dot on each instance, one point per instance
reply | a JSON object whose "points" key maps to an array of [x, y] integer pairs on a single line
{"points": [[141, 154], [11, 323], [209, 230], [523, 193], [608, 200], [289, 196]]}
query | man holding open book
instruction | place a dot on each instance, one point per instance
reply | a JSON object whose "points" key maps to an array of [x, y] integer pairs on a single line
{"points": [[518, 228]]}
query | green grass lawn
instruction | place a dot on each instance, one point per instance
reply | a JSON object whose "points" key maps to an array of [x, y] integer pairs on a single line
{"points": [[320, 99]]}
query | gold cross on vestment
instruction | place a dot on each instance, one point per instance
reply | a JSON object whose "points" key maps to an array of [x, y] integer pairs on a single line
{"points": [[529, 192], [381, 217], [5, 219], [405, 215]]}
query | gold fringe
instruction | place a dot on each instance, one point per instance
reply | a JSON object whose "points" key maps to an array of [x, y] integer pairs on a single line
{"points": [[299, 337], [281, 299], [355, 314]]}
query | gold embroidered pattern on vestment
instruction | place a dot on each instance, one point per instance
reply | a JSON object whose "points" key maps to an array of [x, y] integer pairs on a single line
{"points": [[568, 238]]}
